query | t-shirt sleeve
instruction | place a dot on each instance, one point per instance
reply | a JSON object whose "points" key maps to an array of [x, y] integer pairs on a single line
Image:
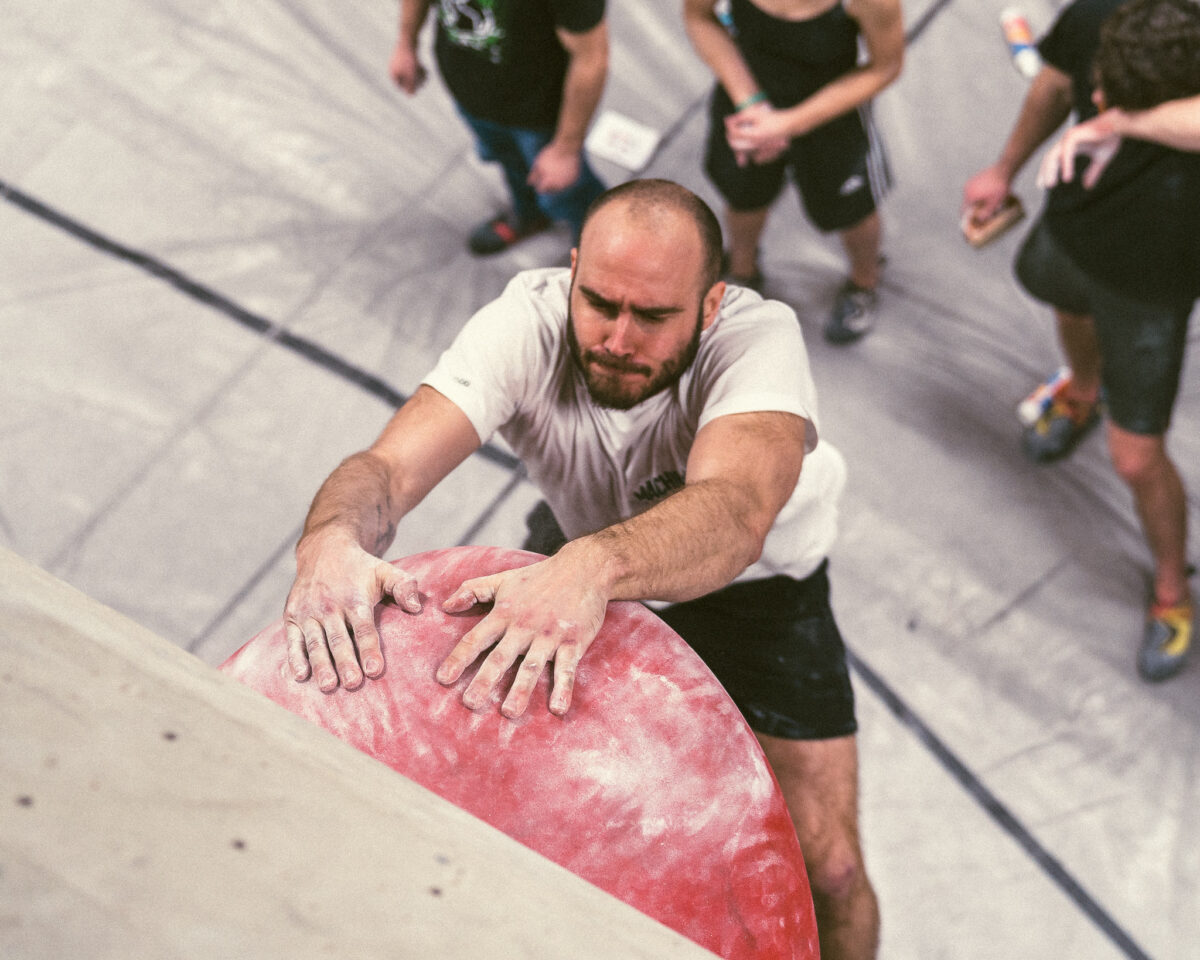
{"points": [[498, 356], [1070, 42], [1070, 46], [759, 365], [1055, 46], [578, 16]]}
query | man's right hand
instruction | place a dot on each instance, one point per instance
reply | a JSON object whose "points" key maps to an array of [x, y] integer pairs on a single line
{"points": [[330, 612], [406, 69], [984, 193]]}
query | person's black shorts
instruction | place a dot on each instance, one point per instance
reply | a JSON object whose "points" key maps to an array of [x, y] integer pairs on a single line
{"points": [[773, 644], [777, 651], [1141, 344], [839, 168]]}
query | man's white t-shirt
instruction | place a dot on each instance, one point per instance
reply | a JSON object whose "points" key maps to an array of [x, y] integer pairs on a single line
{"points": [[510, 370]]}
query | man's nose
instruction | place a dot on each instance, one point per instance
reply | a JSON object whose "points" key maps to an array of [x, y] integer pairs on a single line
{"points": [[622, 336]]}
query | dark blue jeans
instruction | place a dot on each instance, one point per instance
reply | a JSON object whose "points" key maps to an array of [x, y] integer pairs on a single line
{"points": [[515, 149]]}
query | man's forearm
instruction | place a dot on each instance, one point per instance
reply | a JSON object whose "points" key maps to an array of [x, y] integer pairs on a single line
{"points": [[1175, 124], [412, 18], [840, 96], [692, 543], [355, 503], [1046, 106], [582, 88]]}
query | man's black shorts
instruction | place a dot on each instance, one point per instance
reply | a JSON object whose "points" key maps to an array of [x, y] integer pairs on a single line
{"points": [[776, 649], [839, 169], [1141, 344]]}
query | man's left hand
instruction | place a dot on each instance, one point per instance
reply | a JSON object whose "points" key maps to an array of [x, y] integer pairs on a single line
{"points": [[544, 612], [1096, 138], [555, 168]]}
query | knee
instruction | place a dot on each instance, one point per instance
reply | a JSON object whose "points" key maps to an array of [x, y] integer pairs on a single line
{"points": [[1138, 463], [837, 877]]}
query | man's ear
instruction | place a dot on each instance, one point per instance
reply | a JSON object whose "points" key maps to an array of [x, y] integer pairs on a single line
{"points": [[712, 303]]}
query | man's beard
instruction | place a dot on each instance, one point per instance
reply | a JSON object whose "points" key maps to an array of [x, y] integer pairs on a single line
{"points": [[609, 392]]}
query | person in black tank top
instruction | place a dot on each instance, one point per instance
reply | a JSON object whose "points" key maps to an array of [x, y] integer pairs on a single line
{"points": [[793, 59], [789, 99], [792, 98]]}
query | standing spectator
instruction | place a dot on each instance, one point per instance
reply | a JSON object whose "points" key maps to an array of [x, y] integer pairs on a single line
{"points": [[793, 96], [1116, 253], [526, 76]]}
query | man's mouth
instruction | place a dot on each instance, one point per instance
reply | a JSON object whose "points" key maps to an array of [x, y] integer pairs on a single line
{"points": [[617, 365]]}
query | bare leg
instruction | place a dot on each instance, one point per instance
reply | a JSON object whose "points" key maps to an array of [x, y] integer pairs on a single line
{"points": [[744, 227], [819, 779], [1077, 335], [862, 247], [1158, 493]]}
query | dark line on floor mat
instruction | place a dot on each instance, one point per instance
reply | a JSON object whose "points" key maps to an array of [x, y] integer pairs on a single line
{"points": [[924, 20], [493, 508], [246, 589], [1000, 814], [301, 346], [669, 135]]}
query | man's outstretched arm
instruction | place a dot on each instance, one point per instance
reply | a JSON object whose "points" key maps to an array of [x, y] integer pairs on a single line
{"points": [[1173, 123], [340, 579], [741, 471]]}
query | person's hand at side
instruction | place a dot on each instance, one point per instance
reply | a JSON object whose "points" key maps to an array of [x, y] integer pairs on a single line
{"points": [[549, 612], [555, 168], [406, 69], [329, 616]]}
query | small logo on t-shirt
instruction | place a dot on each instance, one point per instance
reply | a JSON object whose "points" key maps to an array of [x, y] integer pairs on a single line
{"points": [[660, 486], [853, 183], [462, 381], [472, 24]]}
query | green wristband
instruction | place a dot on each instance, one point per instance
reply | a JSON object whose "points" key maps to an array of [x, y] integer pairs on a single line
{"points": [[750, 101]]}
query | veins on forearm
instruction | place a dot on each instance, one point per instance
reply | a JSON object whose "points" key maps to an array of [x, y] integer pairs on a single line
{"points": [[385, 530], [694, 541]]}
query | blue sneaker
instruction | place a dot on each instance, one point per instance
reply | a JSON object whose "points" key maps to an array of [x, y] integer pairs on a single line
{"points": [[1060, 426], [853, 313], [1166, 641]]}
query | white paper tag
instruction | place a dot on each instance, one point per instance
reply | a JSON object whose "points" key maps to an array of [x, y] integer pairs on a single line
{"points": [[626, 142]]}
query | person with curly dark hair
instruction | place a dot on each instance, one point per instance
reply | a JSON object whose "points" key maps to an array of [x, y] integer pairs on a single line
{"points": [[1116, 253], [1149, 53]]}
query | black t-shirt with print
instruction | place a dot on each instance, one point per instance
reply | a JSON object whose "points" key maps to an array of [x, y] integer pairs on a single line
{"points": [[1138, 229], [502, 59]]}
